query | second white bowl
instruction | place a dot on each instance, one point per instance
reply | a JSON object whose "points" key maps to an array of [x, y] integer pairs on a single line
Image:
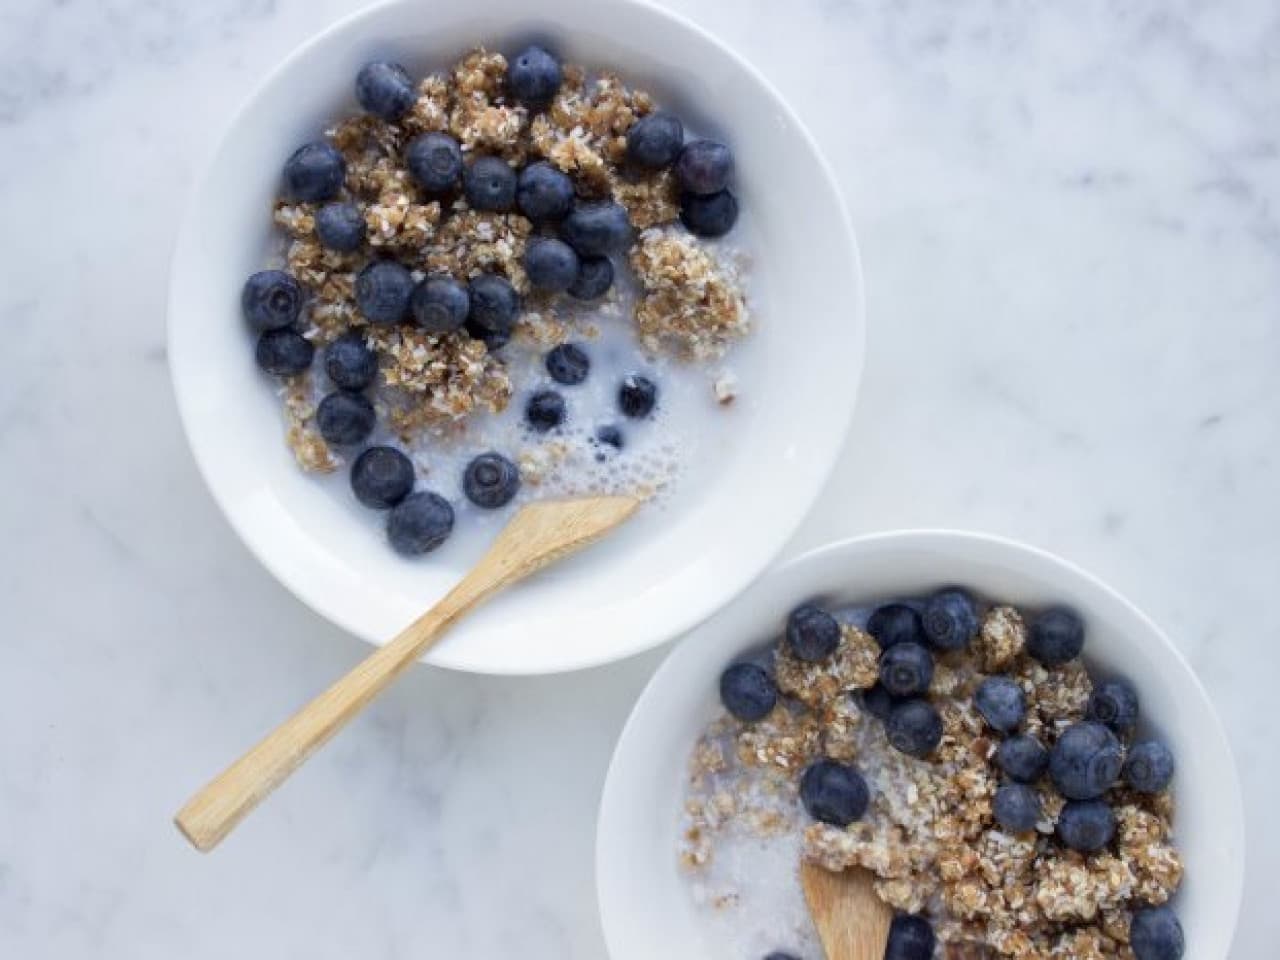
{"points": [[644, 902]]}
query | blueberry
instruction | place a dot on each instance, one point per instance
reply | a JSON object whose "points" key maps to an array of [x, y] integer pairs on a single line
{"points": [[1115, 703], [597, 228], [709, 216], [345, 418], [878, 702], [1156, 934], [490, 184], [1149, 767], [385, 89], [779, 955], [435, 160], [544, 193], [551, 264], [351, 365], [491, 481], [1001, 703], [1016, 807], [950, 619], [637, 396], [533, 76], [1023, 758], [910, 938], [545, 410], [610, 436], [895, 623], [340, 226], [914, 727], [493, 340], [271, 300], [440, 304], [1086, 825], [704, 166], [906, 669], [282, 353], [812, 633], [834, 793], [381, 477], [568, 364], [595, 277], [419, 523], [382, 291], [1056, 636], [655, 141], [747, 691], [494, 303], [1085, 761], [314, 172]]}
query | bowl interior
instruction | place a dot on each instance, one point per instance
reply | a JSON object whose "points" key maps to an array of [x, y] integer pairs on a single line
{"points": [[668, 569], [644, 903]]}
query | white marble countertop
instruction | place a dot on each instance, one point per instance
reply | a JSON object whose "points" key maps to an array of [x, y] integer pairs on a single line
{"points": [[1070, 217]]}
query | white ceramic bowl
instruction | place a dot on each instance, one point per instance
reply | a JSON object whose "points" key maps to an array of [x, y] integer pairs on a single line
{"points": [[643, 900], [671, 574]]}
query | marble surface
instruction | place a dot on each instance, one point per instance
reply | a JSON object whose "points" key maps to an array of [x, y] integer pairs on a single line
{"points": [[1070, 217]]}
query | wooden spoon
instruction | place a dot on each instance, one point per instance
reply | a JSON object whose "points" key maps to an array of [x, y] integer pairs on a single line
{"points": [[853, 923], [539, 535]]}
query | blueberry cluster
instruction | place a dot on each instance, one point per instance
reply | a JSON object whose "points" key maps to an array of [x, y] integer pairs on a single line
{"points": [[1083, 763], [575, 239], [569, 365]]}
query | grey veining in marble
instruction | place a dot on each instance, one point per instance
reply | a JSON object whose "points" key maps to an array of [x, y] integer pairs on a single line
{"points": [[1070, 218]]}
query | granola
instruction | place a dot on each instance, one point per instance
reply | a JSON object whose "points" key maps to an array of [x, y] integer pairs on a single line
{"points": [[930, 834], [433, 386]]}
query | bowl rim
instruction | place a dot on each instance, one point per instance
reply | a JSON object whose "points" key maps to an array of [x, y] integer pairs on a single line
{"points": [[1214, 732], [673, 622]]}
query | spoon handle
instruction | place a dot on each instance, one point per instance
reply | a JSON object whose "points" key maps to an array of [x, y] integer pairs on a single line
{"points": [[223, 802], [539, 534]]}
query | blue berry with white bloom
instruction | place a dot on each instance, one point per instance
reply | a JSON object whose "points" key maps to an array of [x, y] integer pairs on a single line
{"points": [[1086, 825], [895, 623], [534, 76], [1016, 807], [345, 418], [1149, 766], [440, 304], [1001, 703], [544, 193], [747, 691], [914, 727], [314, 172], [382, 291], [906, 669], [1156, 934], [385, 89], [349, 362], [551, 264], [654, 141], [381, 477], [435, 160], [1022, 758], [950, 619], [812, 633], [1056, 636], [834, 792], [1085, 761], [340, 226], [1114, 703], [419, 523], [490, 184], [271, 300]]}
